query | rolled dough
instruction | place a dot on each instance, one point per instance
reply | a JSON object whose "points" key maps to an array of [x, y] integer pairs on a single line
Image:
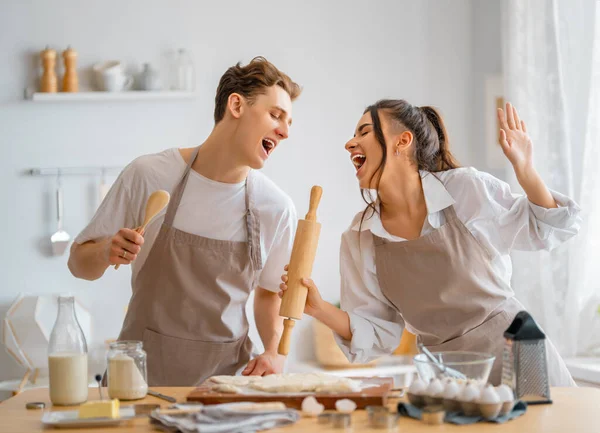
{"points": [[289, 383], [227, 389], [234, 380]]}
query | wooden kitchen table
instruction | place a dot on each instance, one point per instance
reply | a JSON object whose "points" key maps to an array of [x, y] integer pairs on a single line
{"points": [[574, 410]]}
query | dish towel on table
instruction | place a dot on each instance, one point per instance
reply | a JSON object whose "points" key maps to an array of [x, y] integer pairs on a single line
{"points": [[519, 409], [223, 418]]}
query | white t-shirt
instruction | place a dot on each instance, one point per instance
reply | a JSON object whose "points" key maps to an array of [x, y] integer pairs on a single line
{"points": [[208, 208]]}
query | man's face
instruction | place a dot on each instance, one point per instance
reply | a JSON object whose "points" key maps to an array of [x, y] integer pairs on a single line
{"points": [[264, 124]]}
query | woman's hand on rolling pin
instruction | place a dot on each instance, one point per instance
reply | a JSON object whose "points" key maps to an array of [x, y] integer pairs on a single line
{"points": [[123, 248], [314, 301]]}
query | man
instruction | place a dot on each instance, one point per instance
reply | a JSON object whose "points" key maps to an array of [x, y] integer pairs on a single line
{"points": [[227, 229]]}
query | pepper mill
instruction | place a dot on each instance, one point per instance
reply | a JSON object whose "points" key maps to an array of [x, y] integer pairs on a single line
{"points": [[48, 83], [70, 81]]}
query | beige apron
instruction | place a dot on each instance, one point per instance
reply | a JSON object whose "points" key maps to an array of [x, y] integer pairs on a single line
{"points": [[446, 290], [193, 327]]}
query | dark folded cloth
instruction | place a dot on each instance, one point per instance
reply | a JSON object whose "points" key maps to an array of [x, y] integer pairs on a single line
{"points": [[406, 409]]}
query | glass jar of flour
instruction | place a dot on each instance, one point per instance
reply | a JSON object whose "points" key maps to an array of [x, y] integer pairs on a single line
{"points": [[126, 370]]}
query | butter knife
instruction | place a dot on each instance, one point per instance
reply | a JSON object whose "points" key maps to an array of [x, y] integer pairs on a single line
{"points": [[164, 397]]}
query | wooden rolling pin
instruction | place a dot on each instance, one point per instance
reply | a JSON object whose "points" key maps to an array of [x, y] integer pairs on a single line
{"points": [[301, 263]]}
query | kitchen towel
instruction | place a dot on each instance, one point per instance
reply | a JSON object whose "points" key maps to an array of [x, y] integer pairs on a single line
{"points": [[223, 418]]}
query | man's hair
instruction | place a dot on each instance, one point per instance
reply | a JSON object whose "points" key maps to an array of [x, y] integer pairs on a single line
{"points": [[249, 81]]}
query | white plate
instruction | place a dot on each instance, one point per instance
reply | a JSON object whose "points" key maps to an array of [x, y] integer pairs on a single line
{"points": [[70, 418]]}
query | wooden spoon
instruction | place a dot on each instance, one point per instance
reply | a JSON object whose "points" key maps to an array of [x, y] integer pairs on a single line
{"points": [[157, 201]]}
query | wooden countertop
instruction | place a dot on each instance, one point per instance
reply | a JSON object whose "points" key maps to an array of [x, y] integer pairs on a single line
{"points": [[574, 410]]}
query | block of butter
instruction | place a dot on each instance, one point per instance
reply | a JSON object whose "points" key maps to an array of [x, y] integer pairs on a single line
{"points": [[100, 409]]}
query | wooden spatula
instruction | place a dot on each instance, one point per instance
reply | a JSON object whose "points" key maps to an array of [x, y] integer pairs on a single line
{"points": [[157, 201]]}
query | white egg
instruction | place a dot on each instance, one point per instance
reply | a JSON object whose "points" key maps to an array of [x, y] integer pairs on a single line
{"points": [[505, 393], [451, 390], [435, 388], [311, 406], [316, 410], [489, 395], [309, 401], [418, 387], [471, 392], [476, 383], [447, 380], [345, 406]]}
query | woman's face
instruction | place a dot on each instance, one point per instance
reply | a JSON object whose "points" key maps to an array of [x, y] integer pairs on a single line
{"points": [[366, 152]]}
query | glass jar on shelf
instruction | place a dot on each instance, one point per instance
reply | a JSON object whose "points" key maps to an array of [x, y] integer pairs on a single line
{"points": [[184, 78]]}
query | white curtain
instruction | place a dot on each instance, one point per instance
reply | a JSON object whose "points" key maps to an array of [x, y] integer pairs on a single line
{"points": [[585, 272], [551, 63]]}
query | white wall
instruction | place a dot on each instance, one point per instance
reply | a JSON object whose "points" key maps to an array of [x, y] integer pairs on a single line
{"points": [[345, 54], [487, 62]]}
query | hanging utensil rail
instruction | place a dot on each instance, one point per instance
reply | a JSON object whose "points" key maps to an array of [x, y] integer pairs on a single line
{"points": [[73, 171]]}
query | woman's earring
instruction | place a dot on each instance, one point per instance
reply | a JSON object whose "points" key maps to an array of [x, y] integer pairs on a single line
{"points": [[397, 152]]}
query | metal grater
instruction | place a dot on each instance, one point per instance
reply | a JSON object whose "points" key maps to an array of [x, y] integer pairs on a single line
{"points": [[524, 364]]}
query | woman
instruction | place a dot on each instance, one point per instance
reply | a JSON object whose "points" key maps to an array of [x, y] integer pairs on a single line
{"points": [[431, 250]]}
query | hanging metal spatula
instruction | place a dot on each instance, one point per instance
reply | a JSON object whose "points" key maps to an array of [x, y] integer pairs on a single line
{"points": [[60, 239]]}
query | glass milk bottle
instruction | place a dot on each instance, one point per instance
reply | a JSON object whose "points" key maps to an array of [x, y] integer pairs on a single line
{"points": [[127, 376], [67, 357]]}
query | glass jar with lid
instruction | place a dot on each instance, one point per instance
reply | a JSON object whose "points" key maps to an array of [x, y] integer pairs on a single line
{"points": [[126, 370]]}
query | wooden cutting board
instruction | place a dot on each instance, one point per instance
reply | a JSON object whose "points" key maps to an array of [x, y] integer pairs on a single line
{"points": [[375, 395]]}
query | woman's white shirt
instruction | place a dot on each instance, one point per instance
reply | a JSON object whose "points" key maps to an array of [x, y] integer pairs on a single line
{"points": [[497, 218]]}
